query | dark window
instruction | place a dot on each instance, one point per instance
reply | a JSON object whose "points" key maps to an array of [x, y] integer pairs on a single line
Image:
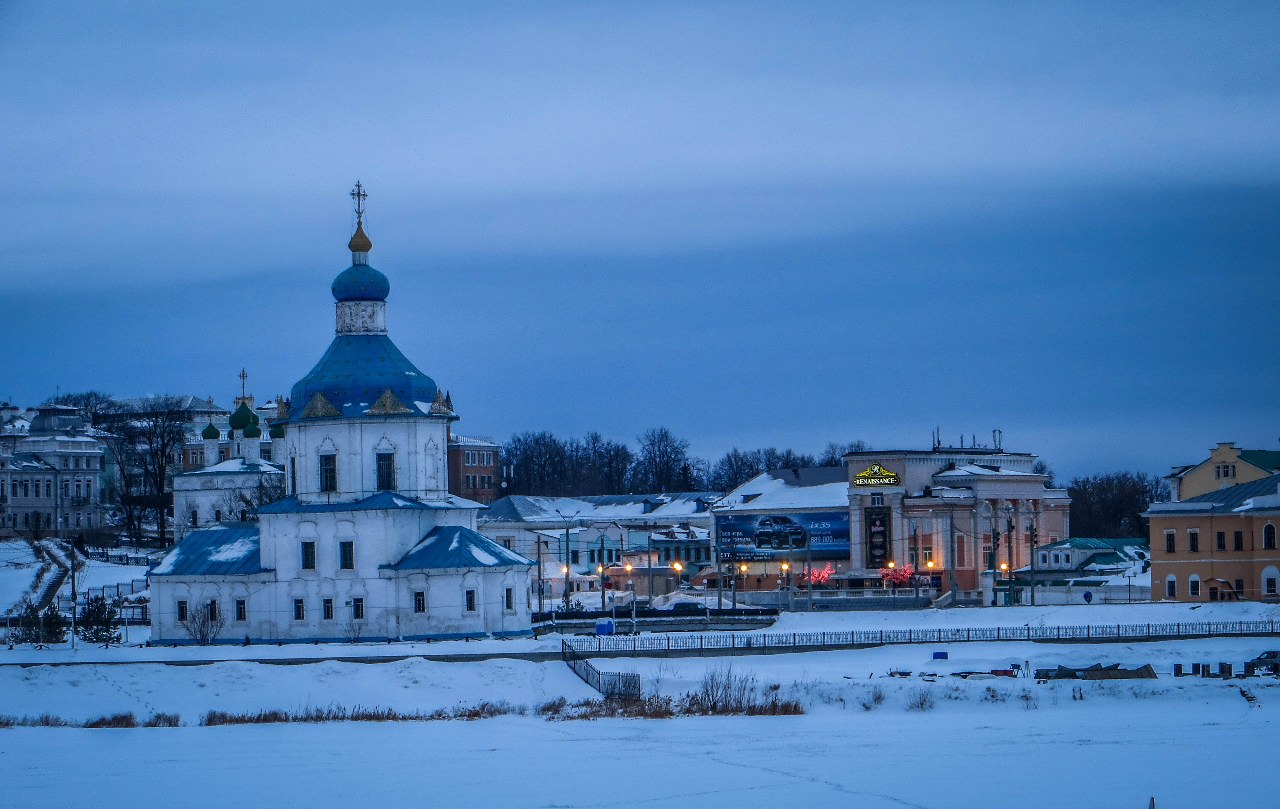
{"points": [[357, 609], [510, 599], [1193, 541], [1221, 541], [386, 463], [328, 473], [1171, 588], [213, 611], [1271, 586], [244, 516], [1269, 537], [1193, 587], [574, 557], [326, 609], [471, 601], [182, 611], [241, 609], [217, 515], [1240, 587], [299, 610], [1169, 543], [347, 555], [308, 556], [1237, 540], [419, 601], [195, 518], [293, 476]]}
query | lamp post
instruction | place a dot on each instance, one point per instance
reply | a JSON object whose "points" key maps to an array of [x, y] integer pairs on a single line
{"points": [[1034, 537], [600, 573], [568, 523], [893, 587], [786, 581], [679, 569], [1004, 571]]}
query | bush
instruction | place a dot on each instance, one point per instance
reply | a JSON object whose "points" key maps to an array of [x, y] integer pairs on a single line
{"points": [[163, 720], [119, 720], [35, 627], [920, 700], [874, 698]]}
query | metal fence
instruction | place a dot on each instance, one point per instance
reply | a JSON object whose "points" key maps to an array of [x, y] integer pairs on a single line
{"points": [[656, 645], [110, 592], [611, 685]]}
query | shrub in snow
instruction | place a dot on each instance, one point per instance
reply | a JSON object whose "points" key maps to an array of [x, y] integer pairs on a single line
{"points": [[163, 720], [920, 700], [119, 720]]}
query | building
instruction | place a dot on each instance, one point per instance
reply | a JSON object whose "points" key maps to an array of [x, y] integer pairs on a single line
{"points": [[51, 469], [1227, 465], [474, 471], [1087, 570], [1218, 546], [947, 512], [368, 542]]}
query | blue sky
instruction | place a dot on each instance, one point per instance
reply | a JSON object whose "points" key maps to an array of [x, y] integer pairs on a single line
{"points": [[763, 224]]}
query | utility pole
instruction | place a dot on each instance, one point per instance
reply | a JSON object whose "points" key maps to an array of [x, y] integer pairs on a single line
{"points": [[951, 553], [600, 570], [538, 539], [1031, 530], [568, 554], [73, 596]]}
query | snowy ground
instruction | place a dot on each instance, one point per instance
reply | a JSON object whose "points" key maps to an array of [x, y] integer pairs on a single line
{"points": [[18, 567], [96, 574]]}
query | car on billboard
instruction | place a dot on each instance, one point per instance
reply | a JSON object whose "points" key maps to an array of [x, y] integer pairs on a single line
{"points": [[780, 533]]}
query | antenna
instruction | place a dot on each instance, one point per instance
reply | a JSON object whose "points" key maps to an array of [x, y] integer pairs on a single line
{"points": [[244, 377]]}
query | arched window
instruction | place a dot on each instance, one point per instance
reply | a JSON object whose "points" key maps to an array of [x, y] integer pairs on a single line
{"points": [[1171, 586], [1270, 582], [1193, 586], [1269, 537]]}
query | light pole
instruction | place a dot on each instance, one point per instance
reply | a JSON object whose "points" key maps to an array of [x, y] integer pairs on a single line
{"points": [[1008, 593], [568, 523], [786, 581], [679, 569], [1031, 531], [893, 587], [742, 568], [600, 572]]}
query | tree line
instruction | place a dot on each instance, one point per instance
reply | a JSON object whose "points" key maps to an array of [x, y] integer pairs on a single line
{"points": [[543, 464]]}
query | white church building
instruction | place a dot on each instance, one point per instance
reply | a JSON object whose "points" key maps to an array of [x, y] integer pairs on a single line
{"points": [[368, 543]]}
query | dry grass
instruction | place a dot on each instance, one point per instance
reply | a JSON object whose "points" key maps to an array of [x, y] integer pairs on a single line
{"points": [[118, 720]]}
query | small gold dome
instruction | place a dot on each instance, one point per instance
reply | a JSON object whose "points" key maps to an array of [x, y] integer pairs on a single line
{"points": [[360, 242]]}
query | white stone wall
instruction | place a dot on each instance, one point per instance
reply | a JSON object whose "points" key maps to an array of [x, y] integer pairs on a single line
{"points": [[419, 445]]}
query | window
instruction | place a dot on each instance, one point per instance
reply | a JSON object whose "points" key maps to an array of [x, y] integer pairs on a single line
{"points": [[195, 518], [509, 599], [471, 601], [326, 609], [217, 515], [1056, 558], [1193, 586], [1171, 587], [347, 555], [469, 481], [486, 481], [386, 463], [1237, 540], [1269, 537], [308, 556], [960, 547], [213, 611], [265, 452], [182, 611], [1271, 585], [293, 476], [1169, 543], [328, 473], [357, 609], [574, 557], [419, 601], [1224, 470], [927, 552], [506, 542], [1240, 587], [1193, 540], [1220, 542], [300, 609], [877, 499], [244, 515], [242, 610]]}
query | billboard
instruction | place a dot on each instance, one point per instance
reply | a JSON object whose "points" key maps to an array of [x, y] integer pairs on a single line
{"points": [[775, 537]]}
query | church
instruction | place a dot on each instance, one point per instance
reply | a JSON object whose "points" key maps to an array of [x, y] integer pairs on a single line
{"points": [[368, 543]]}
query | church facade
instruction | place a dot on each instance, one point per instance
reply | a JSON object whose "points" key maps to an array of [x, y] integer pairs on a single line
{"points": [[368, 543]]}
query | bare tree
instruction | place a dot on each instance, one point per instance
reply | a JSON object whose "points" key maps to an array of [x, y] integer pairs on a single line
{"points": [[154, 432], [663, 463], [96, 407], [268, 489], [204, 624], [353, 630]]}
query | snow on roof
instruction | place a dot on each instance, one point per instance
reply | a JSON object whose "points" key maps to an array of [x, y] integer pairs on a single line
{"points": [[472, 440], [239, 466], [229, 549], [974, 470], [817, 487], [600, 508], [454, 546], [382, 501]]}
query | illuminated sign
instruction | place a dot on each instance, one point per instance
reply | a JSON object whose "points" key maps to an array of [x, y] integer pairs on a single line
{"points": [[876, 475]]}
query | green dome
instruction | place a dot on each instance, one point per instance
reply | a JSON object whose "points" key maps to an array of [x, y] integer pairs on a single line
{"points": [[252, 431], [243, 417], [277, 431], [210, 433]]}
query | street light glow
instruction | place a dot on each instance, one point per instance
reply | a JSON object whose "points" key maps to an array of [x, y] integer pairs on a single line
{"points": [[742, 567], [892, 564], [628, 567]]}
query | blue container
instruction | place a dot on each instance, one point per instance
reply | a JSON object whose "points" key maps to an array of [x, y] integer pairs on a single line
{"points": [[604, 627], [939, 655]]}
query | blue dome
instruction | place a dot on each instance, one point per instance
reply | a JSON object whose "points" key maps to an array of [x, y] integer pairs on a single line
{"points": [[360, 282], [357, 370]]}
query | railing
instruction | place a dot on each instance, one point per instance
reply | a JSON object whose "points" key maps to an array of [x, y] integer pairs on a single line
{"points": [[611, 685], [624, 613], [730, 642], [110, 592]]}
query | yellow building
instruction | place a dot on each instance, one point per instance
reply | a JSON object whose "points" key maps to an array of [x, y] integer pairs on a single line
{"points": [[1218, 546], [1227, 465]]}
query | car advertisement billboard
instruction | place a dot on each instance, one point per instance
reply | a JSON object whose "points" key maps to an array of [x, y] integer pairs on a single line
{"points": [[765, 537]]}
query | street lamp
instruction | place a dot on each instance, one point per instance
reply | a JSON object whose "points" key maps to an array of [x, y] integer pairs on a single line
{"points": [[1004, 571], [568, 553], [786, 581], [679, 569], [600, 573]]}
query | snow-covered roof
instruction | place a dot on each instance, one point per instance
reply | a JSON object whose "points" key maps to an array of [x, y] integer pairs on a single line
{"points": [[824, 487], [454, 546], [1256, 495], [472, 441], [229, 549], [974, 470], [678, 506], [238, 466], [382, 501]]}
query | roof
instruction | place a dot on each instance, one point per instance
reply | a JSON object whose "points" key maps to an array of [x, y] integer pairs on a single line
{"points": [[382, 501], [813, 487], [22, 461], [1263, 493], [976, 470], [1091, 543], [357, 371], [229, 549], [1268, 459], [472, 441], [195, 404], [453, 546], [599, 508], [239, 466]]}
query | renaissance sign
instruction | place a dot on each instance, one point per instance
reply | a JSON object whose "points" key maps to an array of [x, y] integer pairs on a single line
{"points": [[876, 475]]}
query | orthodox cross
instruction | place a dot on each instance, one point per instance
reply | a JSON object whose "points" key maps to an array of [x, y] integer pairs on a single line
{"points": [[358, 194], [244, 376]]}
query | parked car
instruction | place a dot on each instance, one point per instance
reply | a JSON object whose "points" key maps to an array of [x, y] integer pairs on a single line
{"points": [[780, 533], [1267, 660], [689, 608]]}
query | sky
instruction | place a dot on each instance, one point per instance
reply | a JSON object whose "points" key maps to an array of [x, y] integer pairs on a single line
{"points": [[756, 224]]}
